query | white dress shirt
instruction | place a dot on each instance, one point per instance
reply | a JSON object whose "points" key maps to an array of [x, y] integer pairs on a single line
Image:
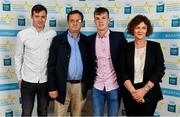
{"points": [[31, 54]]}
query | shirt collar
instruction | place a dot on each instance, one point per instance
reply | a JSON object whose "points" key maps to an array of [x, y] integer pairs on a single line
{"points": [[44, 30], [77, 39], [103, 36]]}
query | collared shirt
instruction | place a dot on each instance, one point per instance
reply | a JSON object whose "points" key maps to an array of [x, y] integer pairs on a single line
{"points": [[106, 76], [31, 54], [75, 68]]}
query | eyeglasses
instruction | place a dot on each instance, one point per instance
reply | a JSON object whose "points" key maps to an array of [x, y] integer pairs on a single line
{"points": [[75, 21]]}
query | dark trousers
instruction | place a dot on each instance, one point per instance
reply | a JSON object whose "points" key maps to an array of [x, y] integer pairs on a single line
{"points": [[133, 108], [28, 93]]}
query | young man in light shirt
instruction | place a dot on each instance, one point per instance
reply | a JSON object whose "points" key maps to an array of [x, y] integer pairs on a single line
{"points": [[106, 46], [31, 55]]}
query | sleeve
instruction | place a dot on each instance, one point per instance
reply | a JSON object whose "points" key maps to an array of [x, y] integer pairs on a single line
{"points": [[159, 70], [51, 67], [18, 57], [90, 66], [121, 61], [124, 39], [123, 66]]}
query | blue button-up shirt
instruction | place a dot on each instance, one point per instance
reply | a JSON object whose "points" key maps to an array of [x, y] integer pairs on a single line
{"points": [[75, 69]]}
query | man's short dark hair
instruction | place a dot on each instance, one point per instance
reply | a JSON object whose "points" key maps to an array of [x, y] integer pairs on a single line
{"points": [[38, 8], [101, 10], [75, 12]]}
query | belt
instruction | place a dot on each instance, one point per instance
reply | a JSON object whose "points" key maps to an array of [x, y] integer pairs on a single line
{"points": [[74, 81]]}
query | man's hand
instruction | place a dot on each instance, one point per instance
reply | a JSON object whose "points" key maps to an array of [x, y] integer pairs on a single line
{"points": [[19, 81], [53, 94], [84, 91]]}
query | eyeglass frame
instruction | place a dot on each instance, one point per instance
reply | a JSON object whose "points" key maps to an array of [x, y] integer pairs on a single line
{"points": [[75, 21]]}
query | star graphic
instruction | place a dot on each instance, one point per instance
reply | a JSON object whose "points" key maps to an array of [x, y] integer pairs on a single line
{"points": [[9, 73], [161, 104], [149, 6], [11, 98], [117, 7], [128, 19], [163, 47], [8, 44], [27, 4], [87, 8], [162, 20], [8, 18], [58, 7], [178, 60]]}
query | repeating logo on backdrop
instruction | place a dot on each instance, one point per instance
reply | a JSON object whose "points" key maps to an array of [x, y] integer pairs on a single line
{"points": [[21, 21], [69, 8], [171, 106], [160, 7], [7, 60], [127, 9], [174, 50], [111, 23], [52, 22], [9, 113], [6, 104], [172, 79], [97, 6], [175, 22], [6, 5]]}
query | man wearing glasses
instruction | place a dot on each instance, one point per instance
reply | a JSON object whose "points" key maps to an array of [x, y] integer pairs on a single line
{"points": [[67, 67]]}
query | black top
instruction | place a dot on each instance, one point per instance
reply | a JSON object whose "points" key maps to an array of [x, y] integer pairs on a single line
{"points": [[153, 69]]}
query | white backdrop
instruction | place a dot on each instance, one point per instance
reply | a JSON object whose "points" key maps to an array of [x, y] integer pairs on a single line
{"points": [[164, 14]]}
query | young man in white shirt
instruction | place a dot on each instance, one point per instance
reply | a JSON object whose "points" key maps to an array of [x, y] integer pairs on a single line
{"points": [[31, 55]]}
